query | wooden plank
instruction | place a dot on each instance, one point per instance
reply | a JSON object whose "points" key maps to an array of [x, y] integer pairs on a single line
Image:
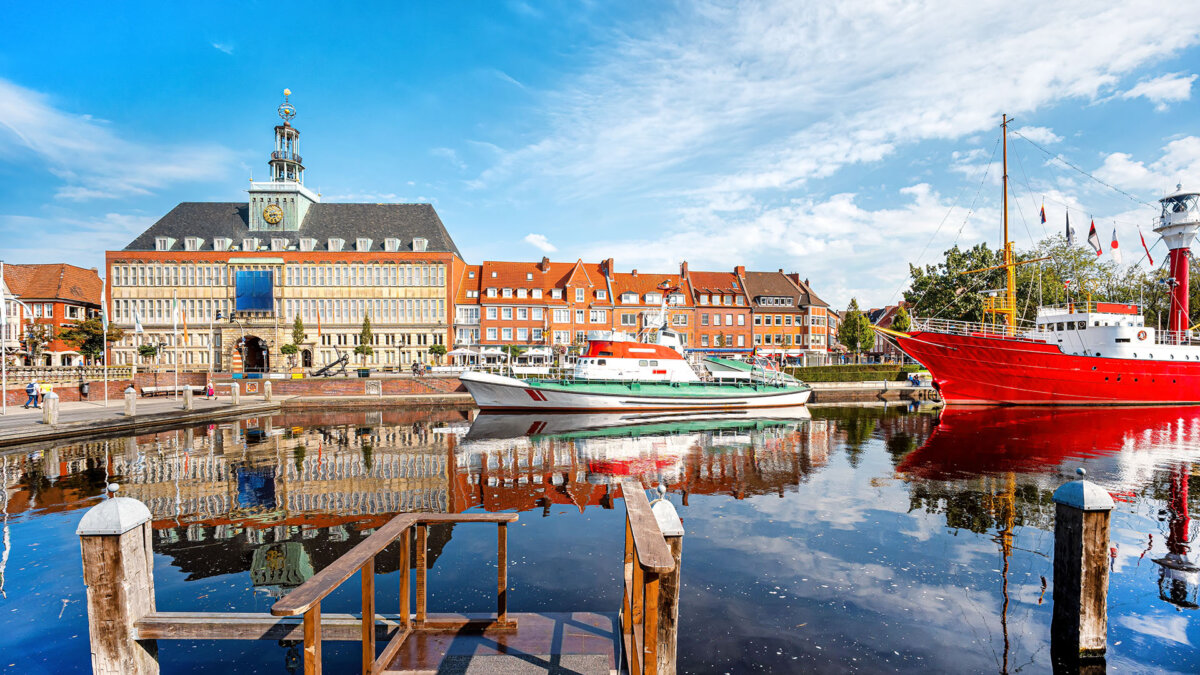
{"points": [[653, 553], [389, 653], [453, 623], [502, 572], [368, 616], [324, 582], [650, 626], [421, 552], [312, 640], [668, 610], [258, 626], [405, 581], [466, 517]]}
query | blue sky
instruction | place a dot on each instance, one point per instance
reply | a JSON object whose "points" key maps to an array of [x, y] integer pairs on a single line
{"points": [[838, 141]]}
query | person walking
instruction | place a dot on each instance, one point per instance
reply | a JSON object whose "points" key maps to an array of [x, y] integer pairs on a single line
{"points": [[31, 390], [208, 390]]}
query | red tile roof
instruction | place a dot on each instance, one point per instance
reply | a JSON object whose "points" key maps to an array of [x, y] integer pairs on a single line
{"points": [[643, 283], [715, 282], [469, 284], [545, 275], [58, 281]]}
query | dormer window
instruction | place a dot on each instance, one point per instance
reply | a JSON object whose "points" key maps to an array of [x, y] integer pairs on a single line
{"points": [[556, 294], [192, 243], [601, 295], [391, 244], [507, 293], [537, 293], [336, 244], [420, 243], [250, 244], [529, 276], [308, 244], [653, 298], [491, 292], [629, 298], [521, 293], [279, 243], [222, 243], [362, 244], [163, 243], [675, 299], [471, 274]]}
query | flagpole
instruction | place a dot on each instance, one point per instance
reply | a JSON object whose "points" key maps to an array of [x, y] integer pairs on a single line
{"points": [[104, 333], [175, 338]]}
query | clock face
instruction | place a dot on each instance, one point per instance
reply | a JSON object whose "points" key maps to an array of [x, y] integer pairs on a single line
{"points": [[273, 214]]}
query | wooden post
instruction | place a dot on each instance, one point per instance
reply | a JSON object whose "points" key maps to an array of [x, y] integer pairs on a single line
{"points": [[668, 586], [1079, 626], [50, 409], [188, 403], [405, 582], [502, 574], [312, 640], [421, 553], [118, 570], [130, 402], [368, 616]]}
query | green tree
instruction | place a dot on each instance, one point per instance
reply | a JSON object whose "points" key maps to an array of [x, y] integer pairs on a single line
{"points": [[88, 338], [37, 336], [856, 331], [902, 321], [942, 290], [290, 352], [438, 351], [298, 331], [148, 351], [363, 348]]}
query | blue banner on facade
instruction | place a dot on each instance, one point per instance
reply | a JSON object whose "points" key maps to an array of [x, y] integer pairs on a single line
{"points": [[255, 292]]}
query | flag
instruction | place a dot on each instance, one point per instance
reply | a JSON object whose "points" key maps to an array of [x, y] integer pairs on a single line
{"points": [[1070, 231], [318, 304], [1116, 252], [1043, 213], [185, 330], [1094, 239], [103, 310], [1143, 238], [137, 322]]}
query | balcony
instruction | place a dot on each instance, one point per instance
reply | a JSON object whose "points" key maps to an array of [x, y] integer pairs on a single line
{"points": [[290, 156]]}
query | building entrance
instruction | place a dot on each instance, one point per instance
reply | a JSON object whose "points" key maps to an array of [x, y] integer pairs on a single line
{"points": [[255, 355]]}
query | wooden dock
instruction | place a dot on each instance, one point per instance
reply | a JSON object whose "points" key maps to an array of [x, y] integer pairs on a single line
{"points": [[125, 626]]}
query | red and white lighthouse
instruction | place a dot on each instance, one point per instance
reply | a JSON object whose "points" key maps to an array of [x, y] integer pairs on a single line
{"points": [[1178, 225]]}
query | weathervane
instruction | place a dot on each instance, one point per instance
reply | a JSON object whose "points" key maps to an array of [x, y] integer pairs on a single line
{"points": [[286, 110]]}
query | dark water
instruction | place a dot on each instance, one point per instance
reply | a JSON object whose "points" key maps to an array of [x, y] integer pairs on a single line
{"points": [[855, 540]]}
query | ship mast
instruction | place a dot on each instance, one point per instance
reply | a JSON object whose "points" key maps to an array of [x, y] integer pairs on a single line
{"points": [[1006, 306]]}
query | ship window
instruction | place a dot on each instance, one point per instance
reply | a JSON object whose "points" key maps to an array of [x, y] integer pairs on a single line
{"points": [[654, 363], [1121, 340], [601, 362], [1060, 325], [605, 353], [1095, 323], [642, 362], [1082, 325]]}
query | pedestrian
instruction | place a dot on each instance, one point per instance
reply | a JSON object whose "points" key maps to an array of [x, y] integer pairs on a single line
{"points": [[208, 390], [416, 368], [31, 390]]}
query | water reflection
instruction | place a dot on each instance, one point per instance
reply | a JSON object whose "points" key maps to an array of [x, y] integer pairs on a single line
{"points": [[919, 528]]}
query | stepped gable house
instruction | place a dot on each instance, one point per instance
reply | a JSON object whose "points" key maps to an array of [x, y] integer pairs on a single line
{"points": [[242, 272], [53, 296]]}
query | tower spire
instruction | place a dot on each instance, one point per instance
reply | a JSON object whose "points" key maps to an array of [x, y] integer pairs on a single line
{"points": [[286, 163]]}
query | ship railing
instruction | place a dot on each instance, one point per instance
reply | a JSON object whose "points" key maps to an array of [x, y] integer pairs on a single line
{"points": [[1087, 306], [1181, 338], [1023, 329]]}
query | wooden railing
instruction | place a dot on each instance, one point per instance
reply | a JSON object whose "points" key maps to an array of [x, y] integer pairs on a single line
{"points": [[647, 560], [306, 599]]}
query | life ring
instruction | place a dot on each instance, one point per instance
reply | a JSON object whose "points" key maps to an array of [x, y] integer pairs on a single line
{"points": [[1141, 335]]}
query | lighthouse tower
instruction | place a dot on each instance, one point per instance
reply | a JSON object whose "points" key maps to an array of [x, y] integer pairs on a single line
{"points": [[281, 203], [1178, 224]]}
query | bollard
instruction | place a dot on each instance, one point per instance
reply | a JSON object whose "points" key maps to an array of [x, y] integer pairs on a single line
{"points": [[668, 584], [188, 403], [266, 388], [1079, 626], [130, 402], [118, 570], [235, 394], [50, 409]]}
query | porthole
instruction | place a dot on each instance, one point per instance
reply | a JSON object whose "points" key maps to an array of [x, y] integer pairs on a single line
{"points": [[1093, 367], [1118, 378], [1106, 379]]}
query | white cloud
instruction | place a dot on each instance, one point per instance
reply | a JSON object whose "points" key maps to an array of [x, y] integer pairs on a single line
{"points": [[1040, 135], [540, 242], [1180, 161], [65, 238], [223, 47], [1163, 90], [450, 155], [90, 158]]}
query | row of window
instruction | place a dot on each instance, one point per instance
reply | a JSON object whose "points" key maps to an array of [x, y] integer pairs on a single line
{"points": [[719, 340], [382, 339], [728, 300], [381, 310], [333, 244], [786, 320], [781, 339], [295, 275], [521, 334], [729, 318]]}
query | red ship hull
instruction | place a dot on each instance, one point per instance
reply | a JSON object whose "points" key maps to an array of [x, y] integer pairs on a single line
{"points": [[999, 370]]}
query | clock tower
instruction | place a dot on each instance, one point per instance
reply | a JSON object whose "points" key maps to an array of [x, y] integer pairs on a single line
{"points": [[281, 204]]}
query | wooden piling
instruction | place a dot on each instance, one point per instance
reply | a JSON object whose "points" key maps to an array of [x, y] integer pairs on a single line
{"points": [[1079, 626], [668, 586], [118, 570]]}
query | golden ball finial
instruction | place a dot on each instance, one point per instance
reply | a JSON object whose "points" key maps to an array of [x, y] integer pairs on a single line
{"points": [[287, 92]]}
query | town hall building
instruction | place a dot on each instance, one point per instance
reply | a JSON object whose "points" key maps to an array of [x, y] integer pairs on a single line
{"points": [[237, 274]]}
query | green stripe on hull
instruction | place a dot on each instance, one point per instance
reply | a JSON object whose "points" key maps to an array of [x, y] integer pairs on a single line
{"points": [[665, 389]]}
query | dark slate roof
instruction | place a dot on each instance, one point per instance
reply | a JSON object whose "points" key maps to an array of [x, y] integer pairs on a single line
{"points": [[778, 284], [377, 222]]}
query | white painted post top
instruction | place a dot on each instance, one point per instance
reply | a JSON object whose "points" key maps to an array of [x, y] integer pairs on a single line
{"points": [[116, 515], [1084, 495], [668, 519]]}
